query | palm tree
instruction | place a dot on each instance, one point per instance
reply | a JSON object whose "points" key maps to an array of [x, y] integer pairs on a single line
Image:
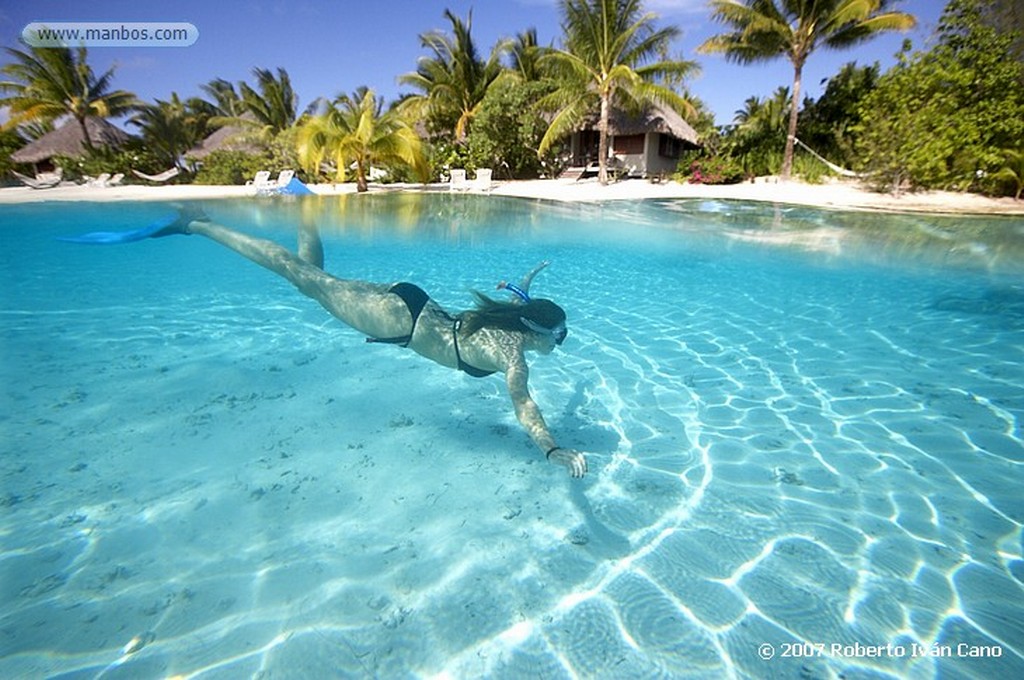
{"points": [[455, 79], [171, 128], [1012, 171], [760, 126], [763, 30], [526, 55], [611, 56], [224, 98], [275, 104], [47, 83], [356, 130], [271, 107]]}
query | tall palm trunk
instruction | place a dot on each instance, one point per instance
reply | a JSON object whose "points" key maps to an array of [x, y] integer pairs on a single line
{"points": [[602, 144], [85, 132], [794, 110], [361, 183]]}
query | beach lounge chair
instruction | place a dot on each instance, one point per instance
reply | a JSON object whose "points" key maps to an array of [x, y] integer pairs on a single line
{"points": [[483, 179], [162, 177], [458, 180], [115, 180], [284, 178], [260, 181], [45, 180], [274, 187], [98, 182]]}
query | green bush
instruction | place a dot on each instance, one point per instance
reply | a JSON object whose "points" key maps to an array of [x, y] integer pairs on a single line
{"points": [[940, 119], [103, 159], [507, 130], [810, 169], [711, 170], [231, 167], [9, 143]]}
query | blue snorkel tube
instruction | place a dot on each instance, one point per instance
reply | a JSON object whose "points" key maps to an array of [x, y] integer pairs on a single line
{"points": [[522, 291], [516, 290]]}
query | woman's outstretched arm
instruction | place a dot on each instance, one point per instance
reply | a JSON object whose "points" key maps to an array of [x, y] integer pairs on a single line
{"points": [[529, 415]]}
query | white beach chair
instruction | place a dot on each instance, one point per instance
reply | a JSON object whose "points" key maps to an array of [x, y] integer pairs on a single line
{"points": [[115, 180], [284, 178], [99, 182], [261, 181], [273, 187], [483, 179], [458, 180]]}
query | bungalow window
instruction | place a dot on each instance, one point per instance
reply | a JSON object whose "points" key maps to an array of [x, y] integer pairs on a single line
{"points": [[628, 145], [669, 147]]}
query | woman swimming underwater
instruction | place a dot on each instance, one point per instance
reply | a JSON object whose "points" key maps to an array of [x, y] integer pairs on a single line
{"points": [[493, 338]]}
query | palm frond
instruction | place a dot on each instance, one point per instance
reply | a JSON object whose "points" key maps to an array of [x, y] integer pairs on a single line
{"points": [[865, 30], [566, 121]]}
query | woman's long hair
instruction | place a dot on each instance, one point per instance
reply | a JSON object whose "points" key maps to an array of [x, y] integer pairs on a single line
{"points": [[506, 315]]}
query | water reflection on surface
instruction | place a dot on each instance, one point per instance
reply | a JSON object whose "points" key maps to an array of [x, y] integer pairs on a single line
{"points": [[992, 243]]}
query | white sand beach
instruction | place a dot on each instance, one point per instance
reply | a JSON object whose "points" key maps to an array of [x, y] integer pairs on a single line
{"points": [[834, 194]]}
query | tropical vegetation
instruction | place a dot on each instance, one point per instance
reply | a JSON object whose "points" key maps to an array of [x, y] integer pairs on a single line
{"points": [[172, 127], [453, 80], [768, 29], [272, 106], [949, 116], [356, 132], [610, 57], [945, 118], [44, 84]]}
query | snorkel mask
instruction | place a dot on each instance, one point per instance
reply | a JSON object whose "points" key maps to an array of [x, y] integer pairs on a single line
{"points": [[558, 331]]}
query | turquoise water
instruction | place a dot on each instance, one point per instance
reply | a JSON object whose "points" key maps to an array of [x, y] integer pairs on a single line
{"points": [[803, 427]]}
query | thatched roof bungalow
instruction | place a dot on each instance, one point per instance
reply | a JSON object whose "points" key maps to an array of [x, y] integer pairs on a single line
{"points": [[226, 138], [644, 145], [68, 140]]}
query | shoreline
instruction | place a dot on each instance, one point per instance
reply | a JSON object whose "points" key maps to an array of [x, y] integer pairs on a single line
{"points": [[835, 194]]}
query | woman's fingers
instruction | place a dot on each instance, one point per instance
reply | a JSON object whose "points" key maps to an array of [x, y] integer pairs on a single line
{"points": [[575, 461]]}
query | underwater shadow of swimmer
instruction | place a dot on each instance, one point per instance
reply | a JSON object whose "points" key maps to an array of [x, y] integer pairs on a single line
{"points": [[594, 537], [593, 438]]}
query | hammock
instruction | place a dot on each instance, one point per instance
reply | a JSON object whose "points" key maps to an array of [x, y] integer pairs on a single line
{"points": [[831, 166], [162, 177], [41, 181]]}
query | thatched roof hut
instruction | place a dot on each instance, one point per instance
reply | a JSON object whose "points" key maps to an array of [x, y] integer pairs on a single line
{"points": [[655, 118], [648, 144], [67, 140], [227, 138]]}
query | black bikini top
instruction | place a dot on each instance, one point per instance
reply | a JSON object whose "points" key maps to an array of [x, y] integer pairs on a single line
{"points": [[463, 366]]}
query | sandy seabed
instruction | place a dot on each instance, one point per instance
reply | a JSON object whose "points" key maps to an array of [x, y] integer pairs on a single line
{"points": [[214, 481]]}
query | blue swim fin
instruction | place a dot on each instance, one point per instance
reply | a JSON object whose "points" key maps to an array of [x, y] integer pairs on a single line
{"points": [[165, 226]]}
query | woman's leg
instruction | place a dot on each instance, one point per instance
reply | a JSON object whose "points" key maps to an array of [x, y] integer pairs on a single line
{"points": [[367, 307], [310, 248]]}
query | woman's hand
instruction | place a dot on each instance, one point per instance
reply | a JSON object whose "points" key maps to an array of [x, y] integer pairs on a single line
{"points": [[571, 459]]}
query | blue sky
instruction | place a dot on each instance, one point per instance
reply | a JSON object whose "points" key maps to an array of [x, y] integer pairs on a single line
{"points": [[331, 47]]}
